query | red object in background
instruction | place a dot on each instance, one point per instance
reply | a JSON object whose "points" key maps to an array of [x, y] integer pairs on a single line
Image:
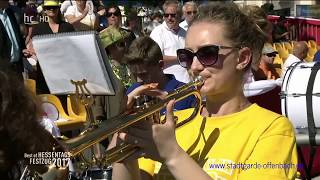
{"points": [[301, 29], [315, 170], [269, 100]]}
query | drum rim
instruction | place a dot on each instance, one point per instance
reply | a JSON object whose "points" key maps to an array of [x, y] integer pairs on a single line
{"points": [[289, 74]]}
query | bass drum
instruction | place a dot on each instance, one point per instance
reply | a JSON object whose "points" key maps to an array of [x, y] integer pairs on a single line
{"points": [[300, 95]]}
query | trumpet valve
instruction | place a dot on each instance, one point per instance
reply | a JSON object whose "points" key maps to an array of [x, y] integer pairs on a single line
{"points": [[143, 102]]}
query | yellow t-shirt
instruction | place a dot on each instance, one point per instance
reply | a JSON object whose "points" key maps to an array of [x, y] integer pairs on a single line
{"points": [[252, 144]]}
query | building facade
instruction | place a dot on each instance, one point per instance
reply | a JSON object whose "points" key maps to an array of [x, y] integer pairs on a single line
{"points": [[280, 4]]}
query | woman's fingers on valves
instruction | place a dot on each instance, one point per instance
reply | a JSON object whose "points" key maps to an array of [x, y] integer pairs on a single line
{"points": [[114, 141], [127, 138], [143, 133], [143, 124], [136, 155]]}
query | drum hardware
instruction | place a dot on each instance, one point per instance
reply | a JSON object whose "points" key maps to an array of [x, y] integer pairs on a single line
{"points": [[108, 127], [301, 66], [301, 129], [304, 66], [283, 94]]}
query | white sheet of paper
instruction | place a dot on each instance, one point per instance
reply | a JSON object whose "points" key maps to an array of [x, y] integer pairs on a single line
{"points": [[73, 56]]}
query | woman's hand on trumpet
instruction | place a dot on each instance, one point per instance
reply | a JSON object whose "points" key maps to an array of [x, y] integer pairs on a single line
{"points": [[146, 89], [156, 141]]}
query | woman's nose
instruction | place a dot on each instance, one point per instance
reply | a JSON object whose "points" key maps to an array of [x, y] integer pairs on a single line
{"points": [[196, 66]]}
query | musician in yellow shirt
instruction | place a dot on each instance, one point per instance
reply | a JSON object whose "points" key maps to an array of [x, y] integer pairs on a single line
{"points": [[237, 145], [230, 138]]}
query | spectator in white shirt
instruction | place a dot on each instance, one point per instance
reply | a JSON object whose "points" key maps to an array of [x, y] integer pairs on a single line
{"points": [[299, 53], [170, 37], [155, 20], [64, 6], [82, 16], [189, 10]]}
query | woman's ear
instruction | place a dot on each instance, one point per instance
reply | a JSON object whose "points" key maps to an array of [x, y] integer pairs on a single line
{"points": [[245, 56], [161, 64]]}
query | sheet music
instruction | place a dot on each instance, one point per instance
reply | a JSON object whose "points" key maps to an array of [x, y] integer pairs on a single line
{"points": [[76, 56]]}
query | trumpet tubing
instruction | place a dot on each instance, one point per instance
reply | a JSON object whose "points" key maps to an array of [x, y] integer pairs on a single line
{"points": [[110, 126]]}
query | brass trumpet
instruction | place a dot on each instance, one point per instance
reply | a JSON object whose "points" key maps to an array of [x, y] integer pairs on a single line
{"points": [[110, 126]]}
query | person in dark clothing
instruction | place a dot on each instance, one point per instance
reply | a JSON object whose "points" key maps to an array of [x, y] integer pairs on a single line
{"points": [[11, 42], [20, 128], [280, 32], [55, 24], [316, 57]]}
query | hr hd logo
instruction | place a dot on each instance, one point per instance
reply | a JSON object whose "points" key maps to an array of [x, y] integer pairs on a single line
{"points": [[33, 19]]}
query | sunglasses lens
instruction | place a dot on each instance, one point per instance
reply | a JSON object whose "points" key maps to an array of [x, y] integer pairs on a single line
{"points": [[185, 57], [50, 7], [191, 12], [113, 13], [208, 55], [271, 55], [172, 15]]}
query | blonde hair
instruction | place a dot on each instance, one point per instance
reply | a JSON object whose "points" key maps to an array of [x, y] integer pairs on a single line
{"points": [[189, 3], [240, 29]]}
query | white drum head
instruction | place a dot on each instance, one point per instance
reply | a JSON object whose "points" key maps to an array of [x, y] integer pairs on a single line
{"points": [[293, 100], [50, 111]]}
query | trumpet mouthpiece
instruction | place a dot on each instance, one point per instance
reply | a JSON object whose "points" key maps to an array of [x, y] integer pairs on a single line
{"points": [[198, 81]]}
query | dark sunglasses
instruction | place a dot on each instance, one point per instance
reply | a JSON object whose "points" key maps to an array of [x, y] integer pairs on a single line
{"points": [[207, 55], [109, 14], [271, 54], [51, 7], [191, 12], [172, 15]]}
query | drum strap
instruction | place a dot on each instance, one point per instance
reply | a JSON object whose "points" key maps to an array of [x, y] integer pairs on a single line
{"points": [[310, 116]]}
